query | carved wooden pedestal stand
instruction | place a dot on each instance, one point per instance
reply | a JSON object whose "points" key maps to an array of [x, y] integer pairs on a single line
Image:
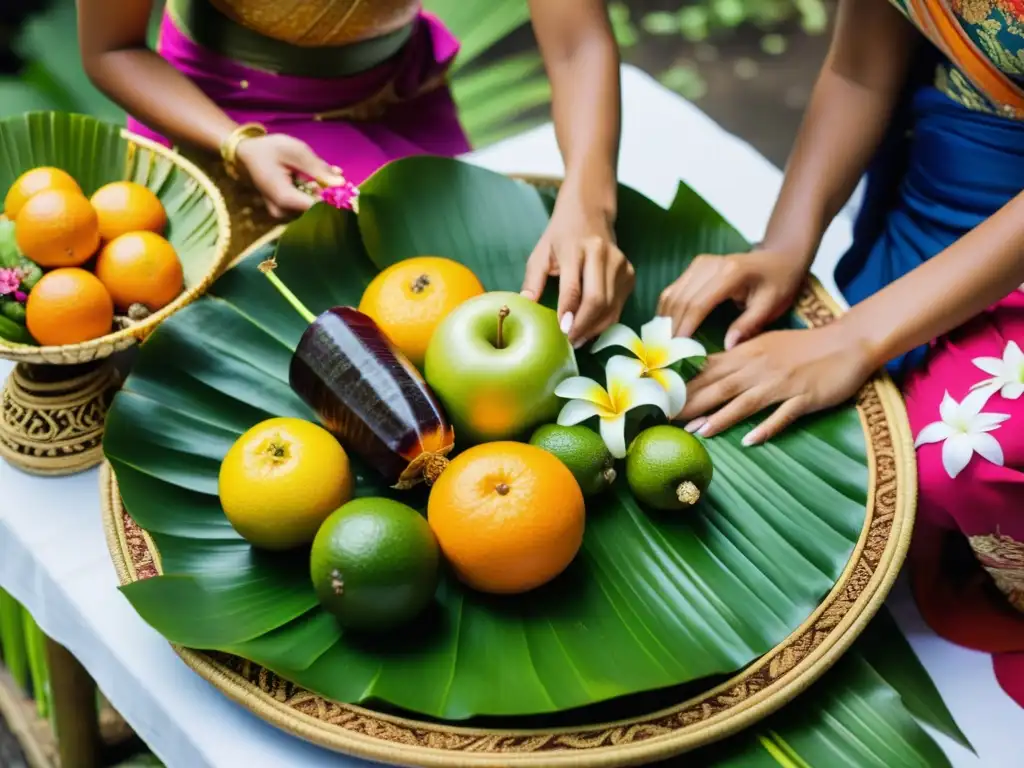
{"points": [[52, 416]]}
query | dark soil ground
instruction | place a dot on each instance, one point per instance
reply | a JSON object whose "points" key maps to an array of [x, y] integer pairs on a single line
{"points": [[753, 78]]}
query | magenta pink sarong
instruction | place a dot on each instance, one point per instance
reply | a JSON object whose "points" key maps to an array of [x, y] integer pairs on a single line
{"points": [[977, 517], [422, 122]]}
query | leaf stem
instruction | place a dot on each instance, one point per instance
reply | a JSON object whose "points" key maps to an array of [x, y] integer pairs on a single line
{"points": [[267, 268]]}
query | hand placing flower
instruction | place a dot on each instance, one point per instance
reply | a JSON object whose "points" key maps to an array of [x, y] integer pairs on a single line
{"points": [[627, 389], [656, 349], [1007, 373], [964, 431]]}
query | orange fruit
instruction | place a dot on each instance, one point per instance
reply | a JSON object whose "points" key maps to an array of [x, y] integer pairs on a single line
{"points": [[140, 268], [408, 300], [508, 516], [57, 228], [124, 206], [68, 306], [33, 182]]}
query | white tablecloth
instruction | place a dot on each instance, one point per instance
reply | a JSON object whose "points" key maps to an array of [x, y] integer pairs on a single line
{"points": [[53, 557]]}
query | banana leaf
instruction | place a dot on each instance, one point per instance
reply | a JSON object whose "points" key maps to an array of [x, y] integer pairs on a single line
{"points": [[650, 602], [866, 712], [95, 153]]}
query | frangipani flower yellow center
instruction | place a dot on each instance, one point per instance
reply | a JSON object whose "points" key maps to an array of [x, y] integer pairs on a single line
{"points": [[656, 349], [1007, 372], [627, 388]]}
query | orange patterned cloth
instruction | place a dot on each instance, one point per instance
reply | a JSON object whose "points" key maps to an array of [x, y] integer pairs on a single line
{"points": [[320, 22]]}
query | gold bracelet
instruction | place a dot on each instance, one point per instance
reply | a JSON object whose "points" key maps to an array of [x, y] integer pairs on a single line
{"points": [[229, 148]]}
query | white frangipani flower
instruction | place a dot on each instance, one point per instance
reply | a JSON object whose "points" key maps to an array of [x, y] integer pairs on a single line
{"points": [[656, 348], [627, 389], [964, 431], [1007, 373]]}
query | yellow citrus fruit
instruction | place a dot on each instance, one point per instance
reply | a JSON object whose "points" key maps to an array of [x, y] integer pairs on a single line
{"points": [[140, 268], [68, 306], [124, 206], [281, 479], [57, 228], [509, 516], [33, 182], [409, 299]]}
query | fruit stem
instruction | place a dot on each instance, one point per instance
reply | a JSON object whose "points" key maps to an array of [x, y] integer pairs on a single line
{"points": [[267, 268], [688, 493], [609, 475], [499, 341], [420, 284], [502, 489], [434, 466]]}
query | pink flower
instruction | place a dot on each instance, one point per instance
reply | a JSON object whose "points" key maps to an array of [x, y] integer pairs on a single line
{"points": [[20, 296], [10, 281], [344, 196]]}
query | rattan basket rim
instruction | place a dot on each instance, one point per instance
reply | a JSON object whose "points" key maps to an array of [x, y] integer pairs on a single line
{"points": [[104, 346]]}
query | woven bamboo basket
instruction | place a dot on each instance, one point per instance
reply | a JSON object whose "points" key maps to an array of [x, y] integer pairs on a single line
{"points": [[55, 400]]}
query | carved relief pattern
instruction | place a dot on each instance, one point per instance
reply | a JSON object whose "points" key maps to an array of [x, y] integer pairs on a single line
{"points": [[770, 670], [54, 427]]}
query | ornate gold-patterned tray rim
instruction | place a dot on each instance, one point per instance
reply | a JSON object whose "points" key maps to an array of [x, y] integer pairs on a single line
{"points": [[105, 346], [753, 693]]}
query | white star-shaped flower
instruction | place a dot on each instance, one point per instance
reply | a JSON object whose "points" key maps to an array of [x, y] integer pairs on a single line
{"points": [[1007, 373], [964, 431], [627, 389], [657, 349]]}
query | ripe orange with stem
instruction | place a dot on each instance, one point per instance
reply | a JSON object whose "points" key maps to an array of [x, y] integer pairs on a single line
{"points": [[509, 516], [408, 300]]}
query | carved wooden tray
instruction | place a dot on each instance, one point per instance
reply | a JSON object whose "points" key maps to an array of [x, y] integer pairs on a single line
{"points": [[744, 699]]}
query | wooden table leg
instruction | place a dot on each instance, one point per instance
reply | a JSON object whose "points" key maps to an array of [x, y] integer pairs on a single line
{"points": [[75, 713]]}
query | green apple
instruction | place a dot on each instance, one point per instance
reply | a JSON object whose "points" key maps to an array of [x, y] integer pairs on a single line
{"points": [[495, 362]]}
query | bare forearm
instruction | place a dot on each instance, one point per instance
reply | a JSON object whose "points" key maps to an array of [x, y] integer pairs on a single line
{"points": [[156, 94], [582, 62], [981, 268], [850, 109]]}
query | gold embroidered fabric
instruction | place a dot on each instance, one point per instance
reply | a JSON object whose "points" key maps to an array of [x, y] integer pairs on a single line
{"points": [[314, 23], [996, 29], [1003, 558]]}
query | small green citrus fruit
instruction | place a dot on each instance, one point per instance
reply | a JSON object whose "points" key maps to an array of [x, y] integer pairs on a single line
{"points": [[375, 564], [667, 468], [581, 450]]}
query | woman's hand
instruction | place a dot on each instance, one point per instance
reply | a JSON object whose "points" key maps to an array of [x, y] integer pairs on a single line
{"points": [[272, 163], [805, 371], [594, 277], [763, 282]]}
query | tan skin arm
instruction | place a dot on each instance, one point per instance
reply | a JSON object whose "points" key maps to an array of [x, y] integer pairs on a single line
{"points": [[850, 107], [849, 111], [112, 37], [582, 61], [808, 370]]}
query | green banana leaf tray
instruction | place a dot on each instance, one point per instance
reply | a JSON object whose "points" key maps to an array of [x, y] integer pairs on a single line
{"points": [[705, 712]]}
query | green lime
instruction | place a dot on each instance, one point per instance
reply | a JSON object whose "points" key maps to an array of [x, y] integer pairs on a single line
{"points": [[668, 468], [374, 564], [583, 451]]}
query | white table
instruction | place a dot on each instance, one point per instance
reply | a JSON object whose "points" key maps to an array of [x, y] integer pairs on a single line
{"points": [[54, 560]]}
